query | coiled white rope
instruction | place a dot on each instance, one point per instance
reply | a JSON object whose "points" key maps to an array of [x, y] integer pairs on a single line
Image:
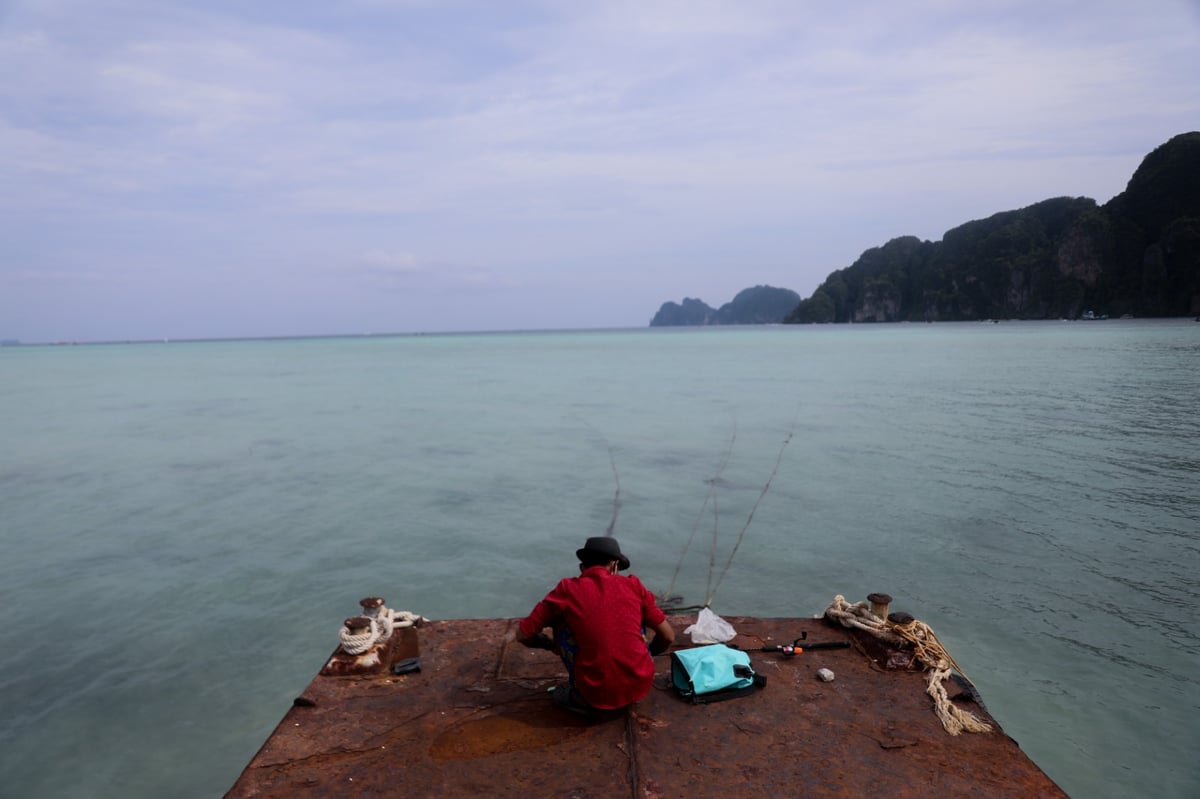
{"points": [[357, 644], [928, 650], [383, 618], [859, 615], [404, 618], [383, 621]]}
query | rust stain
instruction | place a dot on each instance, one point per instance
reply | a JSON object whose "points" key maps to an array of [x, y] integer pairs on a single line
{"points": [[508, 732]]}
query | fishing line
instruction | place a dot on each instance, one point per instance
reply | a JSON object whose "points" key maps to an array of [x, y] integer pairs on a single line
{"points": [[712, 549], [711, 496], [617, 494], [612, 461], [766, 487]]}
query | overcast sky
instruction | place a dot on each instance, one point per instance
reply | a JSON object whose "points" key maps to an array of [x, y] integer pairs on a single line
{"points": [[286, 167]]}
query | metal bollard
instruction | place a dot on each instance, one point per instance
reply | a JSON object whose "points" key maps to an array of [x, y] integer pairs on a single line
{"points": [[879, 604], [373, 608], [358, 625]]}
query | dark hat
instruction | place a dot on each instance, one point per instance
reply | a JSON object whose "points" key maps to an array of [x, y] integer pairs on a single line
{"points": [[606, 546]]}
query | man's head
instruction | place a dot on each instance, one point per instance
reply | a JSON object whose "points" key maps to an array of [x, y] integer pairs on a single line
{"points": [[600, 551]]}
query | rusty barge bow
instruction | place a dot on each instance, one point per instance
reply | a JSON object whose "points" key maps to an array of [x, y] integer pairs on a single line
{"points": [[457, 708]]}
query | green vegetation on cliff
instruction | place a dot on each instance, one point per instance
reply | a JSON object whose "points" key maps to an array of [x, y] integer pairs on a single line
{"points": [[1138, 254]]}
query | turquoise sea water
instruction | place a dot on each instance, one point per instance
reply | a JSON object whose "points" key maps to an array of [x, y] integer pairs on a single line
{"points": [[184, 526]]}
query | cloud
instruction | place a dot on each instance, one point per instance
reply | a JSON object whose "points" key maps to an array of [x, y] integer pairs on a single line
{"points": [[402, 271], [389, 267], [695, 147]]}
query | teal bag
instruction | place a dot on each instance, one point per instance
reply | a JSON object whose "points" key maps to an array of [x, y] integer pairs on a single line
{"points": [[713, 673]]}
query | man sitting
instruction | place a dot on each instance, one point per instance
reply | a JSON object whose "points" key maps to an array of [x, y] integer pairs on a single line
{"points": [[599, 620]]}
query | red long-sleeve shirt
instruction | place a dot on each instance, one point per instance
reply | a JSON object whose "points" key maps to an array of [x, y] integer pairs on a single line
{"points": [[607, 613]]}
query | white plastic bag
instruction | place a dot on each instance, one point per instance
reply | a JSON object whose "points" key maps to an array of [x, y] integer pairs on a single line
{"points": [[710, 629]]}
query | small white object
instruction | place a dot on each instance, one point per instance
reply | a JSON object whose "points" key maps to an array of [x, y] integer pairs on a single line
{"points": [[825, 674], [710, 629]]}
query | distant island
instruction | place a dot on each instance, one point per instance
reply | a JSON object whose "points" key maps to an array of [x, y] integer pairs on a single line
{"points": [[1066, 257], [754, 306]]}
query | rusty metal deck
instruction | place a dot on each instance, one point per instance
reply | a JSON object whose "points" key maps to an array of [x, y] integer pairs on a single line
{"points": [[477, 721]]}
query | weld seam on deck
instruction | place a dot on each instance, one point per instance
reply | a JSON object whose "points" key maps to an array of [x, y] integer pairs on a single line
{"points": [[630, 744]]}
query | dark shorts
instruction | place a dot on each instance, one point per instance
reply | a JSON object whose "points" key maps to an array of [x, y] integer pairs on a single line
{"points": [[568, 648]]}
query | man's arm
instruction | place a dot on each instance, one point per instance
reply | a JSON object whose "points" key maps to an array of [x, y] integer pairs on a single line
{"points": [[543, 615], [664, 636]]}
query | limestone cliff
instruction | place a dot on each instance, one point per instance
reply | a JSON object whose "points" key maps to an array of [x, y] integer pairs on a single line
{"points": [[1138, 254]]}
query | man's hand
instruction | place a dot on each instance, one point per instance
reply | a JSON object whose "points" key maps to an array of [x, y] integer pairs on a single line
{"points": [[539, 641], [664, 636]]}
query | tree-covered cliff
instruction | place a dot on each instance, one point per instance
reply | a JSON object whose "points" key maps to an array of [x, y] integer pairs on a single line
{"points": [[752, 306], [1138, 254]]}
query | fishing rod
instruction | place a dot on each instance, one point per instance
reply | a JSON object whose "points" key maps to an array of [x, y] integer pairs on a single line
{"points": [[795, 648]]}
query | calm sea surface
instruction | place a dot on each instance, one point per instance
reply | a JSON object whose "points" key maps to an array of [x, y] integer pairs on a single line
{"points": [[184, 526]]}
